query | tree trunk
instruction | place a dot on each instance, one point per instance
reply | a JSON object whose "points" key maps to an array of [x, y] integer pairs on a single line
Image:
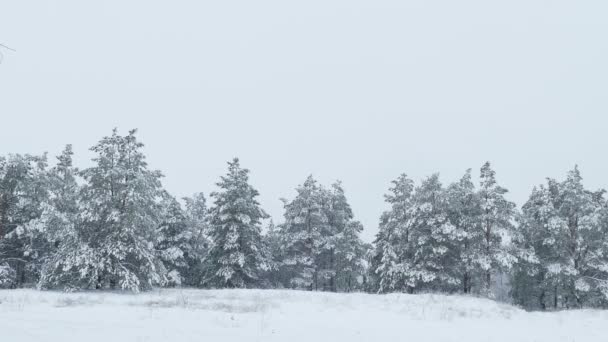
{"points": [[541, 301]]}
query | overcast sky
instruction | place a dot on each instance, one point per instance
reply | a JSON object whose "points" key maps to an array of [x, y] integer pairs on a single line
{"points": [[354, 90]]}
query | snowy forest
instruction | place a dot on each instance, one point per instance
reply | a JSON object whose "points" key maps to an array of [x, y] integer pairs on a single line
{"points": [[113, 226]]}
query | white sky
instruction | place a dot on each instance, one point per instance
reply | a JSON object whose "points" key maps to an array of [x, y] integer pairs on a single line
{"points": [[354, 90]]}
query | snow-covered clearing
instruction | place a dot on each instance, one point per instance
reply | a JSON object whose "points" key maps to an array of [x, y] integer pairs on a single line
{"points": [[272, 315]]}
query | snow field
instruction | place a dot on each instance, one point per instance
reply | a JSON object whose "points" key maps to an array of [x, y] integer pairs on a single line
{"points": [[281, 315]]}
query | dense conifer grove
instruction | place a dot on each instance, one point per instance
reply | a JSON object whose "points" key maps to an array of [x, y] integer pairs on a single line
{"points": [[113, 226]]}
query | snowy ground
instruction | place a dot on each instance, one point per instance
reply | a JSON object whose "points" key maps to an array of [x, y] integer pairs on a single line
{"points": [[259, 315]]}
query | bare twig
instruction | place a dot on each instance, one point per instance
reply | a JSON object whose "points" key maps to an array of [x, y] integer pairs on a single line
{"points": [[6, 47]]}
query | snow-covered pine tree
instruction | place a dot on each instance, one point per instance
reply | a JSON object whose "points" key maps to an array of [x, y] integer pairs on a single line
{"points": [[464, 212], [198, 228], [303, 235], [236, 258], [532, 286], [23, 192], [392, 243], [497, 214], [567, 226], [173, 240], [344, 249], [272, 243], [434, 240], [351, 252], [584, 231], [119, 220], [318, 245], [60, 218], [338, 214]]}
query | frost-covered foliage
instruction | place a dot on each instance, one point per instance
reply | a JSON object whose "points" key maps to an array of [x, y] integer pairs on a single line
{"points": [[566, 228], [61, 218], [434, 241], [320, 247], [116, 229], [497, 214], [302, 236], [113, 226], [417, 247], [272, 243], [344, 260], [237, 257], [182, 243], [22, 198], [443, 239], [8, 276], [464, 210], [197, 227], [393, 236]]}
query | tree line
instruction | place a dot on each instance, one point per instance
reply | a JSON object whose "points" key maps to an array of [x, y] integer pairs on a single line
{"points": [[113, 226]]}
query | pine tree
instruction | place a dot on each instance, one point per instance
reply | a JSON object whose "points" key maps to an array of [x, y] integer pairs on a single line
{"points": [[60, 218], [197, 219], [302, 235], [338, 215], [567, 227], [117, 230], [434, 240], [496, 221], [182, 241], [343, 250], [532, 285], [350, 255], [272, 242], [319, 244], [23, 192], [173, 240], [464, 212], [392, 243], [236, 258]]}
